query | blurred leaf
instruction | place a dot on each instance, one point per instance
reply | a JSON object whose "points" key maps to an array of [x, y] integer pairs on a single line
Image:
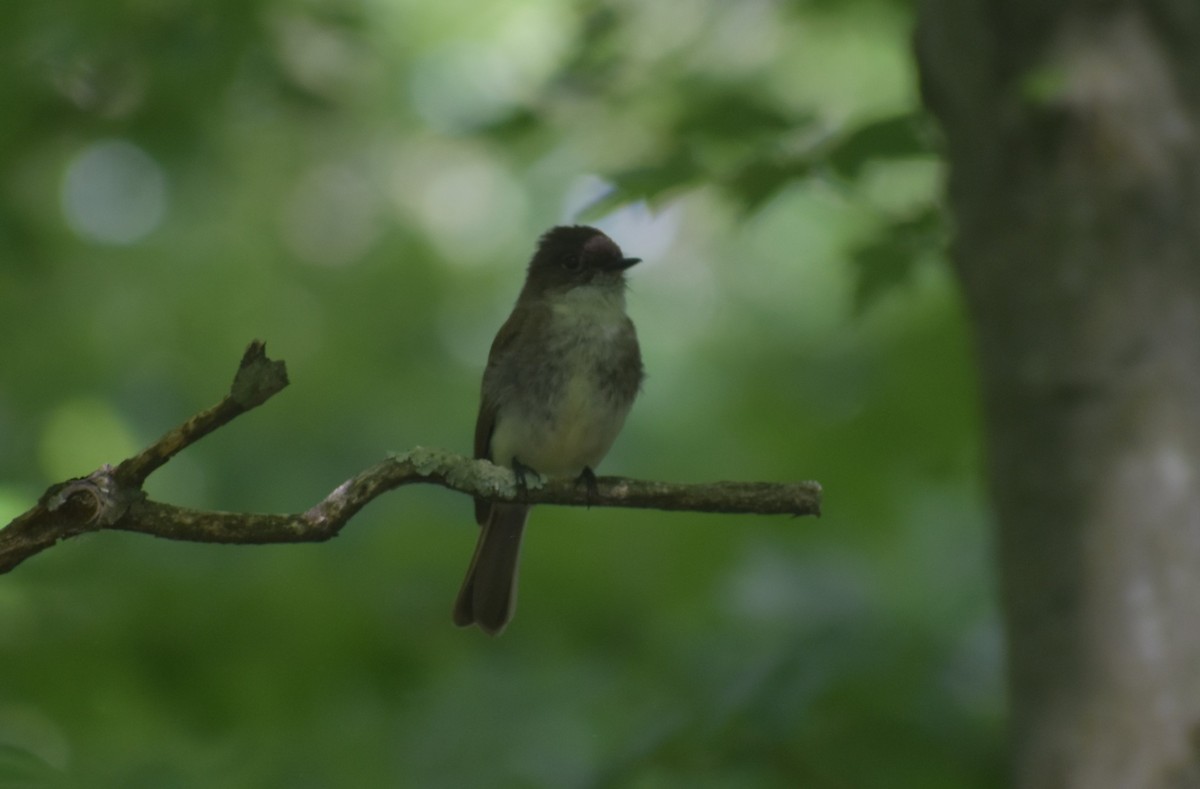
{"points": [[731, 111], [898, 137], [650, 183], [723, 113], [22, 768], [761, 179], [597, 54], [887, 260], [513, 128], [1043, 85], [802, 7]]}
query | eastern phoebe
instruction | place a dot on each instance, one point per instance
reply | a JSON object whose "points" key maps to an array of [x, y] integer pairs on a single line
{"points": [[563, 371]]}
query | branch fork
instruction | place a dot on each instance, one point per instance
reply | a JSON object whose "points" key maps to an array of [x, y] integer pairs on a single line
{"points": [[112, 497]]}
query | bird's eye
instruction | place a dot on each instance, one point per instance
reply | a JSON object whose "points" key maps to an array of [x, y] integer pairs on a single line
{"points": [[573, 262]]}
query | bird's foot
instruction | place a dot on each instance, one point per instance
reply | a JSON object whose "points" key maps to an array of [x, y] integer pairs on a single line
{"points": [[588, 477], [521, 472]]}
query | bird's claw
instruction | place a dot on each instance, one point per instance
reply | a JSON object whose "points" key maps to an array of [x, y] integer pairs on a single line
{"points": [[520, 471], [588, 477]]}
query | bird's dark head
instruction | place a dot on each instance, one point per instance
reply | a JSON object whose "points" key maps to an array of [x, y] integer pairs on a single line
{"points": [[569, 256]]}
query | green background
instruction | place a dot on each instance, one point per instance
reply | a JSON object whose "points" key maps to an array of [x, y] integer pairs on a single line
{"points": [[359, 184]]}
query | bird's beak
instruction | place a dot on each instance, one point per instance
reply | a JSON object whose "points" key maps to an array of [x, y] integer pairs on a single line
{"points": [[625, 263]]}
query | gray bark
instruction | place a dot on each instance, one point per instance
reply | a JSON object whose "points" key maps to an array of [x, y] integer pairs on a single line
{"points": [[1073, 137]]}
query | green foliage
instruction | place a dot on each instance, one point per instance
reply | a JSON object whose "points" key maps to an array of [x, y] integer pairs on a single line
{"points": [[360, 184], [20, 768], [888, 259], [897, 137]]}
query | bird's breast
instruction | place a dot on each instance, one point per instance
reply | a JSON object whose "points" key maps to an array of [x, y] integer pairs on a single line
{"points": [[568, 403]]}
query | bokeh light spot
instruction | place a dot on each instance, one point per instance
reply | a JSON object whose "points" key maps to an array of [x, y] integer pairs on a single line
{"points": [[332, 217], [464, 84], [113, 192], [82, 435], [469, 203], [13, 502]]}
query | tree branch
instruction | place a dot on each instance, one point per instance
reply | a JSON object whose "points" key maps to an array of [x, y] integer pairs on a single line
{"points": [[112, 498], [258, 379]]}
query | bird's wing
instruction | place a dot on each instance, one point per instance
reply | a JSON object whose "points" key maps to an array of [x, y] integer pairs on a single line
{"points": [[485, 423]]}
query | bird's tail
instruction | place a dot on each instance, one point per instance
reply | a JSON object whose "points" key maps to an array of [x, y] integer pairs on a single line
{"points": [[488, 595]]}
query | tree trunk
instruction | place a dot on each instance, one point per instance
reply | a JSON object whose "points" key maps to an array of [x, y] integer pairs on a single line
{"points": [[1073, 136]]}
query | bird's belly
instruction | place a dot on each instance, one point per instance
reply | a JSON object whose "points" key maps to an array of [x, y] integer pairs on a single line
{"points": [[575, 431]]}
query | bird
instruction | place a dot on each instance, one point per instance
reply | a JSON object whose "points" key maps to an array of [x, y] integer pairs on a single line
{"points": [[561, 377]]}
